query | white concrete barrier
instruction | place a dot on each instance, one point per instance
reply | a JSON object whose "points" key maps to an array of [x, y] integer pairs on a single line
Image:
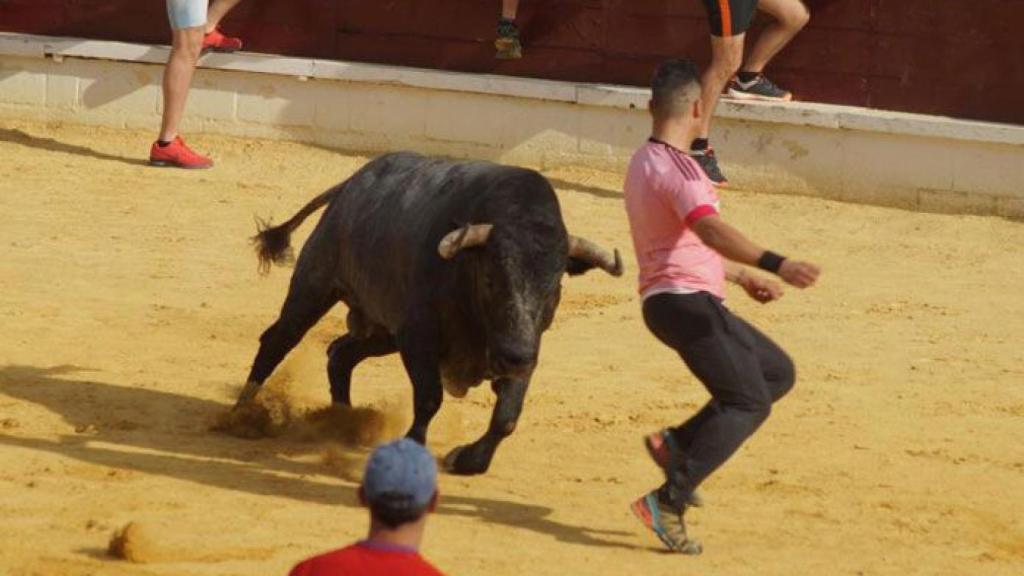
{"points": [[852, 154]]}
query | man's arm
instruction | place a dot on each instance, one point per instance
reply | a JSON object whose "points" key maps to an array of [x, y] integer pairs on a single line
{"points": [[733, 245], [757, 287], [735, 272]]}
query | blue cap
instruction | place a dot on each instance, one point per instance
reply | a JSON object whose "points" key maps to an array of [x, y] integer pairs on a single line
{"points": [[403, 467]]}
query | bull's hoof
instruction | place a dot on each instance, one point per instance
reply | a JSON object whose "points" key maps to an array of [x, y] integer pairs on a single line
{"points": [[461, 461], [248, 394], [449, 460]]}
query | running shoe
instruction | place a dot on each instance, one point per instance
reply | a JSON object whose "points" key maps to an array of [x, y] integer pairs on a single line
{"points": [[663, 450], [507, 44], [667, 524], [216, 41], [177, 154], [709, 163], [760, 88]]}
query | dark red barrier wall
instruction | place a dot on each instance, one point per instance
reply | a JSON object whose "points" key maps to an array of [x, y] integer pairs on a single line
{"points": [[962, 58]]}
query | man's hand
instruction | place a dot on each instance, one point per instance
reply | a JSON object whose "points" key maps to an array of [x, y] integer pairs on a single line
{"points": [[761, 289], [799, 274]]}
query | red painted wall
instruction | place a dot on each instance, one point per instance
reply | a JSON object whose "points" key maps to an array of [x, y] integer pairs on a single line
{"points": [[961, 58]]}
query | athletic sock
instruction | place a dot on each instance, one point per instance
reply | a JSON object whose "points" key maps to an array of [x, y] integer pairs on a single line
{"points": [[699, 144], [507, 28], [746, 77]]}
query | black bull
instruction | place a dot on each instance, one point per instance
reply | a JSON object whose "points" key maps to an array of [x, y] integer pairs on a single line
{"points": [[457, 266]]}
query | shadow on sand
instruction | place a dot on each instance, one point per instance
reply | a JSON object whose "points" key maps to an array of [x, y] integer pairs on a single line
{"points": [[166, 434], [51, 145]]}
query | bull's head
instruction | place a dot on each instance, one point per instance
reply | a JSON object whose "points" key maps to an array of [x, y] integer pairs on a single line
{"points": [[518, 287]]}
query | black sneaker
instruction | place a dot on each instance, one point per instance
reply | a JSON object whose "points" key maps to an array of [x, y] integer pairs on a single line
{"points": [[507, 44], [760, 88], [708, 162]]}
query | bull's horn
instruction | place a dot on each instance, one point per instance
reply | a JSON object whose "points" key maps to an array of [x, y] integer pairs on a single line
{"points": [[466, 237], [587, 251]]}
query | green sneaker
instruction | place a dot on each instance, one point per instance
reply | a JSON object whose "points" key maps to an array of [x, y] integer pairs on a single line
{"points": [[667, 524], [507, 44]]}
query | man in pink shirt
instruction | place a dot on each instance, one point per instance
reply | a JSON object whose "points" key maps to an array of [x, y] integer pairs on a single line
{"points": [[686, 252]]}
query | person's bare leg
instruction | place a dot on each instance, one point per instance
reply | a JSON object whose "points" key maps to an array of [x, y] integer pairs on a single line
{"points": [[185, 49], [217, 11], [790, 17], [726, 57], [509, 8]]}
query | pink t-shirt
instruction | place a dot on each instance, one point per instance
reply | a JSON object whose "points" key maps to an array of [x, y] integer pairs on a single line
{"points": [[666, 192]]}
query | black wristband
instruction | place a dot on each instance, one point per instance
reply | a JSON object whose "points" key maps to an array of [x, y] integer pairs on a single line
{"points": [[770, 262]]}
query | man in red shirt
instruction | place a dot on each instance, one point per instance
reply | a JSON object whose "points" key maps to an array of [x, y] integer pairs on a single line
{"points": [[400, 489], [686, 253]]}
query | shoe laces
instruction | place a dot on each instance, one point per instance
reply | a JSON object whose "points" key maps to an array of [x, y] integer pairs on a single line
{"points": [[763, 80]]}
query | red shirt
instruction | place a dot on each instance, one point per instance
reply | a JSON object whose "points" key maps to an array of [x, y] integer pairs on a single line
{"points": [[367, 559]]}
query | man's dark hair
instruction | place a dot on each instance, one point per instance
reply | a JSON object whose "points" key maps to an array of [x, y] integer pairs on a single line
{"points": [[394, 510], [671, 86]]}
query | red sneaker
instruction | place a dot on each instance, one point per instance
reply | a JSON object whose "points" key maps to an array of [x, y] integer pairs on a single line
{"points": [[177, 154], [217, 42]]}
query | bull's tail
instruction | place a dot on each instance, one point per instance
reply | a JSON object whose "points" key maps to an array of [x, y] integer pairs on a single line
{"points": [[273, 243]]}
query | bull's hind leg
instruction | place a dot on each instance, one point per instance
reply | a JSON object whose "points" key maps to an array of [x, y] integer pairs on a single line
{"points": [[345, 353], [304, 307]]}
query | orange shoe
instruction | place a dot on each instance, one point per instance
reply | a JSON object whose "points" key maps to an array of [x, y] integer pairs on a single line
{"points": [[177, 154], [217, 42]]}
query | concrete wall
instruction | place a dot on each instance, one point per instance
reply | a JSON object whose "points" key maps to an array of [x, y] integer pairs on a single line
{"points": [[845, 153], [951, 57]]}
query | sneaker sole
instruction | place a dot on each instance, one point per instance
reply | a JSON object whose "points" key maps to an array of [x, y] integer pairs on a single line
{"points": [[653, 452], [642, 514], [206, 51], [168, 164], [737, 95], [507, 49]]}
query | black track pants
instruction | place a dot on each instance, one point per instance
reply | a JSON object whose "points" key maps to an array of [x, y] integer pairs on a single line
{"points": [[744, 371]]}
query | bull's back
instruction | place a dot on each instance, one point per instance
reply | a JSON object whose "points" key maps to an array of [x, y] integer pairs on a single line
{"points": [[386, 223]]}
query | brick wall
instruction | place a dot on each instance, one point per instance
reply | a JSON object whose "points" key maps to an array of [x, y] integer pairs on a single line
{"points": [[962, 58]]}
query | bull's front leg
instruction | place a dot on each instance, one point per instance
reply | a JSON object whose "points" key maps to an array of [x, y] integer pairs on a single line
{"points": [[419, 355], [475, 458]]}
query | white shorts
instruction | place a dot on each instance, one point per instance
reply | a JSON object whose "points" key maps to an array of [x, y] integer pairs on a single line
{"points": [[187, 13]]}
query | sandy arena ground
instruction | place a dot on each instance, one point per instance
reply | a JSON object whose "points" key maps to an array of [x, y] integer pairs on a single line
{"points": [[131, 307]]}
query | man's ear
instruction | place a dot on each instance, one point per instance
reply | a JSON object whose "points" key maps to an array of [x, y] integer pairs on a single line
{"points": [[698, 109], [362, 498], [432, 507]]}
